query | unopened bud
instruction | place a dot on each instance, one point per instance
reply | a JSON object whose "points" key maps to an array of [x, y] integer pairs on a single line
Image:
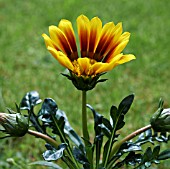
{"points": [[16, 125], [160, 121]]}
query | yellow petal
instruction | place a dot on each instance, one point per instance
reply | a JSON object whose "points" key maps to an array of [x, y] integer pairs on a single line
{"points": [[83, 25], [62, 58], [95, 31], [66, 27], [48, 41], [105, 34], [104, 67], [60, 40], [124, 36], [112, 39], [84, 64], [118, 31], [126, 58], [101, 67], [116, 51]]}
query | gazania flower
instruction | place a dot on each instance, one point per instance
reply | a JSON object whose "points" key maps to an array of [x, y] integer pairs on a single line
{"points": [[100, 46]]}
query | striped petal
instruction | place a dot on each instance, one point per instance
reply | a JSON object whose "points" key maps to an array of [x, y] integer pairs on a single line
{"points": [[116, 51], [83, 25], [106, 30], [104, 67], [124, 36], [60, 40], [112, 40], [48, 41], [100, 47], [117, 46], [95, 31], [66, 27], [62, 58]]}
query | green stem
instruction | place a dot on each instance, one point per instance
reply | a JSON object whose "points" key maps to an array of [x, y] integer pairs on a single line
{"points": [[84, 118], [127, 138], [110, 146], [86, 137]]}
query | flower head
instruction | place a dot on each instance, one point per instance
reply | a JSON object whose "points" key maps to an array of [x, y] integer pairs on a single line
{"points": [[16, 125], [100, 46]]}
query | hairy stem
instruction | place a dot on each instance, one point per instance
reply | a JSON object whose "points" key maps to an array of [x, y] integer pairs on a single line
{"points": [[84, 118], [44, 137], [85, 130]]}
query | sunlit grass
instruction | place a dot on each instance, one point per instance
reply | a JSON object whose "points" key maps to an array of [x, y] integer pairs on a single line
{"points": [[26, 65]]}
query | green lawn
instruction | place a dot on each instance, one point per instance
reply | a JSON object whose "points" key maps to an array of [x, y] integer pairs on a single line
{"points": [[25, 63]]}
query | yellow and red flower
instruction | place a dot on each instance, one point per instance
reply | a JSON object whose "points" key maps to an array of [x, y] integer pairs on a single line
{"points": [[100, 46]]}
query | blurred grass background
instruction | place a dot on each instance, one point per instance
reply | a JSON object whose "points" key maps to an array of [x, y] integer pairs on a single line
{"points": [[25, 64]]}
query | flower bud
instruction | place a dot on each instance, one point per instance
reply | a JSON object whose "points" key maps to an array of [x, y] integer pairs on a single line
{"points": [[160, 121], [16, 125]]}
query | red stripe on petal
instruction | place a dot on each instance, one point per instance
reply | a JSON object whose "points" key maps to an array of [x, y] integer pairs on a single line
{"points": [[67, 29], [95, 31], [60, 40], [104, 39], [83, 25]]}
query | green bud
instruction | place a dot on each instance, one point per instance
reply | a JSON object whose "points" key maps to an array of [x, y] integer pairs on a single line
{"points": [[160, 121], [84, 83], [16, 125]]}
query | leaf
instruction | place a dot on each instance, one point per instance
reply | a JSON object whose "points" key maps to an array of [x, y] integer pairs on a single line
{"points": [[45, 163], [81, 157], [164, 155], [117, 115], [125, 104], [106, 147], [97, 120], [107, 123], [98, 140], [147, 155], [156, 151], [47, 115], [105, 130], [131, 159], [145, 137], [161, 137], [51, 155], [148, 133], [148, 164], [113, 114], [128, 147], [70, 131], [48, 107], [120, 123], [30, 100]]}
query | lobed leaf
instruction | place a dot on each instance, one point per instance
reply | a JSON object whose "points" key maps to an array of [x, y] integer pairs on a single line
{"points": [[53, 154], [81, 157], [30, 100], [164, 155]]}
